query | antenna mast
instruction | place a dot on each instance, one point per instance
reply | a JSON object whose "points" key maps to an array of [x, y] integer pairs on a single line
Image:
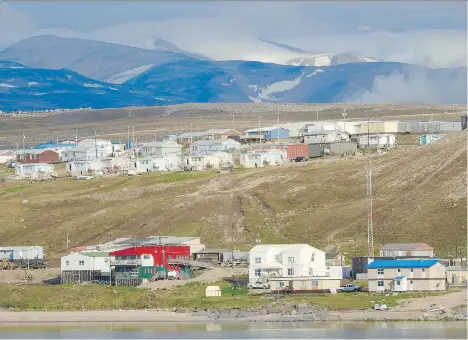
{"points": [[370, 227]]}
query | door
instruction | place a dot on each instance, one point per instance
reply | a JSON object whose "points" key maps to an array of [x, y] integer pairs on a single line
{"points": [[410, 285]]}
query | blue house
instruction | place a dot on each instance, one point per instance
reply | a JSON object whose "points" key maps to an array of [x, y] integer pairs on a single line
{"points": [[427, 139], [269, 133], [406, 275]]}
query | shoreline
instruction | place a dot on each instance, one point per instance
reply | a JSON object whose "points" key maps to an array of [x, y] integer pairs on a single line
{"points": [[146, 316]]}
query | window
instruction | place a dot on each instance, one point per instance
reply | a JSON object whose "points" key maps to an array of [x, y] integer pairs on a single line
{"points": [[146, 257], [380, 271], [380, 283], [258, 272], [398, 283], [303, 283], [290, 259], [258, 260], [314, 283], [411, 281], [290, 271], [81, 263], [423, 270], [399, 270], [411, 269], [281, 284], [311, 271], [312, 258], [67, 263]]}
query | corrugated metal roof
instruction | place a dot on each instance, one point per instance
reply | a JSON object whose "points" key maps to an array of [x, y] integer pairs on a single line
{"points": [[407, 246], [401, 264], [399, 278], [96, 254], [212, 250]]}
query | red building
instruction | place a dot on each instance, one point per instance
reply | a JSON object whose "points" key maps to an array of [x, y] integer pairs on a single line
{"points": [[38, 156], [293, 150], [146, 262]]}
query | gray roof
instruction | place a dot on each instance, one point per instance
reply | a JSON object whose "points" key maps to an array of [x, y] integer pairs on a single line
{"points": [[212, 250], [407, 246], [321, 132]]}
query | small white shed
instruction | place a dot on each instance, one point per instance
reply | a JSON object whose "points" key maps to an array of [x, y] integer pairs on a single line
{"points": [[213, 291], [400, 284]]}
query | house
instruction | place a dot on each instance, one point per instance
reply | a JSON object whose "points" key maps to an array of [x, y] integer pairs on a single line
{"points": [[292, 150], [203, 162], [168, 163], [406, 275], [34, 171], [335, 259], [240, 257], [379, 141], [407, 250], [161, 149], [464, 121], [37, 156], [334, 148], [134, 264], [258, 159], [325, 136], [207, 146], [305, 284], [217, 134], [210, 255], [6, 156], [457, 275], [286, 260], [190, 137], [85, 266], [269, 133], [83, 167], [88, 153]]}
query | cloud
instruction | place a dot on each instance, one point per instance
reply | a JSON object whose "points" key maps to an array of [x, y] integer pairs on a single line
{"points": [[419, 86]]}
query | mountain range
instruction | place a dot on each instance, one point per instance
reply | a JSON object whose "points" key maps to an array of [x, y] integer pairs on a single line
{"points": [[47, 72]]}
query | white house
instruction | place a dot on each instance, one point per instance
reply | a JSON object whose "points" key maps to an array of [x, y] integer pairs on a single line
{"points": [[85, 166], [86, 261], [168, 163], [7, 156], [204, 162], [161, 149], [325, 136], [34, 170], [88, 153], [91, 143], [377, 141], [287, 260], [208, 146], [260, 158]]}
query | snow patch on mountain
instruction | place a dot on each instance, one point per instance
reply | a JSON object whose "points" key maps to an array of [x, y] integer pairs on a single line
{"points": [[317, 71], [122, 77], [330, 59], [265, 93], [91, 85], [7, 85]]}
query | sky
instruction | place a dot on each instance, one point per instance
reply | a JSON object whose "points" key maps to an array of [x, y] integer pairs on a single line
{"points": [[428, 33]]}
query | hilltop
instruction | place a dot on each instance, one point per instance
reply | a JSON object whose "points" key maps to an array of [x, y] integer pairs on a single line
{"points": [[420, 195]]}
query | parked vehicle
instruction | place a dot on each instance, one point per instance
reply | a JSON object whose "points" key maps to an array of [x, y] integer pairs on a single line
{"points": [[351, 287], [259, 285], [301, 159], [84, 178]]}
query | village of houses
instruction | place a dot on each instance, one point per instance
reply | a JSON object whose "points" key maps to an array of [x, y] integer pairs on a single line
{"points": [[270, 267]]}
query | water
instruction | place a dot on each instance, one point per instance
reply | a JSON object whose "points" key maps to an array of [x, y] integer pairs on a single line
{"points": [[316, 330]]}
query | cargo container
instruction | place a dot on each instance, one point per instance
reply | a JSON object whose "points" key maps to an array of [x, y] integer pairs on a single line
{"points": [[17, 253], [297, 150]]}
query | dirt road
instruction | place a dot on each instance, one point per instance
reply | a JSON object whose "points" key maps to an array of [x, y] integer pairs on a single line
{"points": [[208, 276], [448, 301], [19, 275]]}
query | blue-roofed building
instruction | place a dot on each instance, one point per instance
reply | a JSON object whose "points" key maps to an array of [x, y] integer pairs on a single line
{"points": [[406, 275], [269, 133]]}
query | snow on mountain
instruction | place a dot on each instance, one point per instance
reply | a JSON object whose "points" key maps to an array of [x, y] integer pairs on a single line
{"points": [[329, 59], [122, 77], [265, 93], [317, 71]]}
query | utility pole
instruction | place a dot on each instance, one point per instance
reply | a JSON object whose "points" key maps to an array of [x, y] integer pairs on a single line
{"points": [[277, 129], [370, 227], [316, 112], [259, 132], [133, 136], [95, 144], [24, 151], [128, 136], [232, 246]]}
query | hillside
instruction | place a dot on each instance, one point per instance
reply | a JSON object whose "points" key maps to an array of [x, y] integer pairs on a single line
{"points": [[420, 195]]}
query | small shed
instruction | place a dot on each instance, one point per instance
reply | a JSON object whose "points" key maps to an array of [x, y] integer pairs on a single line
{"points": [[400, 284], [212, 291]]}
